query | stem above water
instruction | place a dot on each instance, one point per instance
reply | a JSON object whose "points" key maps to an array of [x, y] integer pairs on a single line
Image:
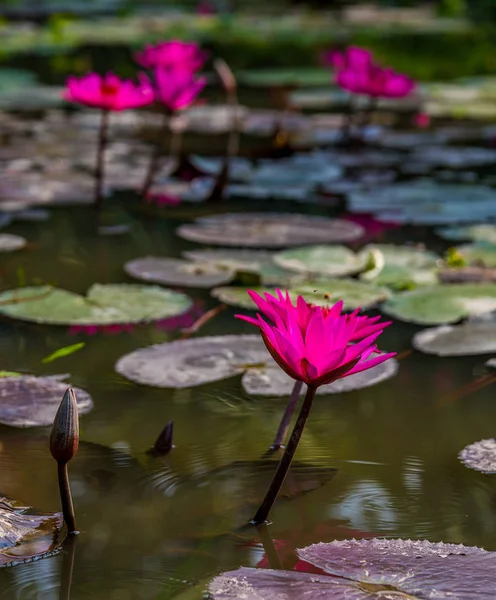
{"points": [[100, 160], [154, 160], [282, 430], [66, 498], [286, 460]]}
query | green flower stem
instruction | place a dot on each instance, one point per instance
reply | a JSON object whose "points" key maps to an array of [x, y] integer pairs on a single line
{"points": [[282, 431], [286, 460], [100, 160]]}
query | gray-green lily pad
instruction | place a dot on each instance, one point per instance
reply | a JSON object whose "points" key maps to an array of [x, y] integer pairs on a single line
{"points": [[400, 266], [272, 381], [192, 362], [480, 456], [472, 337], [27, 537], [442, 304], [331, 261], [29, 401], [484, 232], [285, 77], [482, 253], [269, 230], [323, 292], [103, 305], [10, 242], [175, 271], [366, 569]]}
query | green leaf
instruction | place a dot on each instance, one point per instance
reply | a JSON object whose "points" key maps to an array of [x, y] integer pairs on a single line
{"points": [[61, 352], [9, 374]]}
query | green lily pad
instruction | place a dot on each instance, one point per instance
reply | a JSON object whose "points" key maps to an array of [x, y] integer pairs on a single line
{"points": [[323, 292], [482, 253], [442, 304], [175, 271], [400, 266], [483, 232], [104, 304], [285, 77], [472, 337], [332, 261]]}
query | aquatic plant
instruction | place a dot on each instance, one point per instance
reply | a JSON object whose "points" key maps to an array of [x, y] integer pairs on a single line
{"points": [[109, 93], [314, 345], [353, 57], [173, 54]]}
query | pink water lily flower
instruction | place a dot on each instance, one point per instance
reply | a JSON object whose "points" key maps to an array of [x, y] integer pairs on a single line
{"points": [[173, 54], [177, 89], [353, 57], [314, 345], [109, 92], [375, 82]]}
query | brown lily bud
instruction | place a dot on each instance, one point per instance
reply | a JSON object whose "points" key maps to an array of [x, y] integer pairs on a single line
{"points": [[225, 75], [64, 439]]}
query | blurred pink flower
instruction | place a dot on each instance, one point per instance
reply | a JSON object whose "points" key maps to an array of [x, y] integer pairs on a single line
{"points": [[422, 120], [106, 329], [109, 92], [312, 344], [205, 8], [174, 54], [163, 199], [375, 82], [353, 57], [177, 89]]}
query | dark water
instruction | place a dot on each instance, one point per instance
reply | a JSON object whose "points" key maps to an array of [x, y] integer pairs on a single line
{"points": [[156, 528]]}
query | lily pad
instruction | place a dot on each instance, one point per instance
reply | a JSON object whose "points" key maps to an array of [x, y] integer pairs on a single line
{"points": [[483, 232], [323, 292], [103, 305], [28, 401], [367, 569], [188, 363], [472, 337], [482, 253], [272, 381], [332, 261], [285, 77], [480, 456], [231, 258], [298, 170], [27, 537], [269, 230], [401, 266], [10, 242], [442, 304], [175, 271]]}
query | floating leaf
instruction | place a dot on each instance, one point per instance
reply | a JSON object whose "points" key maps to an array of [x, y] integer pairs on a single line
{"points": [[480, 456], [323, 292], [269, 230], [103, 305], [478, 233], [29, 401], [472, 337], [285, 77], [332, 261], [272, 381], [175, 271], [23, 537], [442, 304], [10, 242], [482, 254], [188, 363], [62, 352]]}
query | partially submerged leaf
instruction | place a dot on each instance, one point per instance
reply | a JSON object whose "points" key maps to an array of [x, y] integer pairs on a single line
{"points": [[484, 232], [330, 261], [472, 337], [29, 401], [269, 230], [23, 537], [442, 304], [480, 456], [63, 352], [176, 271], [192, 362], [480, 254], [104, 304]]}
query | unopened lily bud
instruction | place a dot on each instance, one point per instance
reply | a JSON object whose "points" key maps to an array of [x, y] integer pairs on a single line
{"points": [[226, 75], [64, 439]]}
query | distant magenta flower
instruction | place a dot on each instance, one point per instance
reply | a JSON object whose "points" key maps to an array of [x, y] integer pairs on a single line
{"points": [[108, 92], [353, 57], [422, 120], [317, 346], [375, 82], [177, 89], [173, 54]]}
